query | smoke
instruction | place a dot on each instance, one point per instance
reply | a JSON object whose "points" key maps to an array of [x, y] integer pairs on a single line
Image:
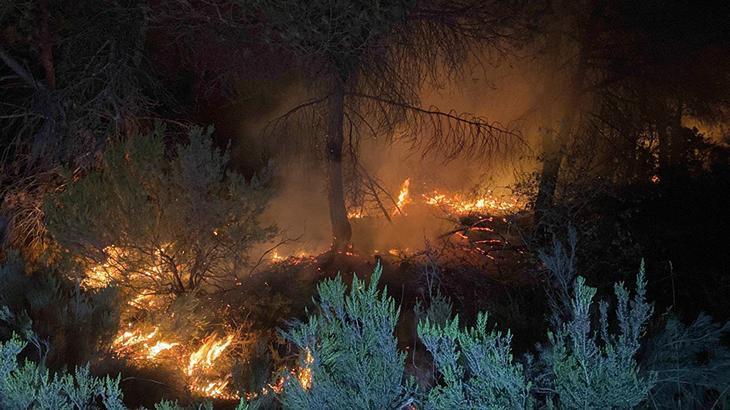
{"points": [[506, 94]]}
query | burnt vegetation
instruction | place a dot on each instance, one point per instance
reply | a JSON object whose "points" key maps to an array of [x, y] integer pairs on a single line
{"points": [[330, 204]]}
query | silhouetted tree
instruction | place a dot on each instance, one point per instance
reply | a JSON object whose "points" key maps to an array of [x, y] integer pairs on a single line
{"points": [[365, 63], [72, 75]]}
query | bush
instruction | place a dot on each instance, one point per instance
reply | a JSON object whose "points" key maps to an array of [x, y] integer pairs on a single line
{"points": [[30, 386], [476, 367], [692, 366], [597, 369], [50, 308], [157, 224], [350, 350]]}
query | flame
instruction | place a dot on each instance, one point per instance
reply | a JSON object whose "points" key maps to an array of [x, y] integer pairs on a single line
{"points": [[403, 197], [146, 344], [202, 361], [462, 205], [355, 214], [276, 257], [304, 375], [100, 276], [209, 352], [454, 203], [139, 345], [160, 347], [213, 388], [134, 337]]}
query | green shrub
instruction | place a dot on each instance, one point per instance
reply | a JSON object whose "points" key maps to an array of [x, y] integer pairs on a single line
{"points": [[351, 350], [692, 365], [476, 367], [75, 322], [30, 386], [597, 368], [160, 224]]}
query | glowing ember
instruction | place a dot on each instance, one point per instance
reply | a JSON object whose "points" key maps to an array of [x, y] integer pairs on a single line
{"points": [[655, 179], [356, 214], [305, 374]]}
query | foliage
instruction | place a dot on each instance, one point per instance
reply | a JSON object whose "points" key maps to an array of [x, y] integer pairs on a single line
{"points": [[170, 405], [476, 366], [342, 37], [65, 323], [592, 375], [72, 75], [28, 385], [691, 364], [438, 312], [32, 386], [161, 225], [350, 348], [561, 274]]}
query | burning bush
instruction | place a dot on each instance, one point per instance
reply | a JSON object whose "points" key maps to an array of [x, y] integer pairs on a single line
{"points": [[159, 225]]}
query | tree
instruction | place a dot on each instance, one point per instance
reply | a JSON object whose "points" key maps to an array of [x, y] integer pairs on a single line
{"points": [[624, 80], [71, 76], [158, 225], [568, 39], [365, 63]]}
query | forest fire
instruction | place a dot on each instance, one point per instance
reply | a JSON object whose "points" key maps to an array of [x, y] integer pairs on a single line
{"points": [[452, 203], [202, 361], [208, 353], [144, 347], [459, 204], [145, 344]]}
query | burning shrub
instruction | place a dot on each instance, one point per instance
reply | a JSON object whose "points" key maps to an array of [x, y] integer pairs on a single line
{"points": [[349, 353], [159, 225]]}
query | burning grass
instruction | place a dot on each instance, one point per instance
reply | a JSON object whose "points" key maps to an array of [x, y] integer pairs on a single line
{"points": [[192, 335], [458, 204]]}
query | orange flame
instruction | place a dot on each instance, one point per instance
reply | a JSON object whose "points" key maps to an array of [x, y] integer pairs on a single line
{"points": [[462, 205], [403, 197], [209, 352], [160, 347], [305, 374]]}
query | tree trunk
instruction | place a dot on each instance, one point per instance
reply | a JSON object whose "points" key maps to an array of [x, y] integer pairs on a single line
{"points": [[670, 143], [341, 230], [45, 45], [552, 153], [554, 148]]}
